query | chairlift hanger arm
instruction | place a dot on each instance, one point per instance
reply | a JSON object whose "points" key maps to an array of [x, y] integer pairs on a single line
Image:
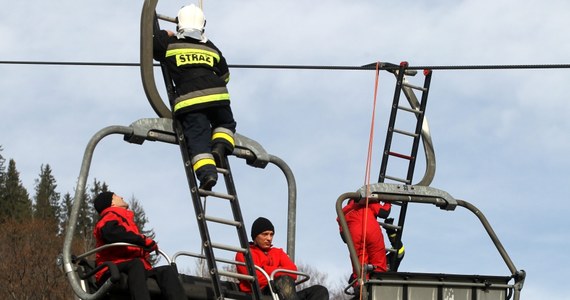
{"points": [[407, 193]]}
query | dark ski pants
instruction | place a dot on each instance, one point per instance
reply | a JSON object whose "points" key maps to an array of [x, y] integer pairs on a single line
{"points": [[165, 276], [198, 127]]}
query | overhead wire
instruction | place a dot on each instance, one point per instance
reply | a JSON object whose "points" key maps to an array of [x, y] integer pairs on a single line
{"points": [[370, 67]]}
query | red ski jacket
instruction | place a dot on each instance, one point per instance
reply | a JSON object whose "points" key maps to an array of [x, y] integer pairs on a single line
{"points": [[118, 225], [274, 258]]}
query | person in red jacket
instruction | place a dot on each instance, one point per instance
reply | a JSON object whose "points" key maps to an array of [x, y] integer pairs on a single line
{"points": [[117, 224], [270, 258], [366, 233]]}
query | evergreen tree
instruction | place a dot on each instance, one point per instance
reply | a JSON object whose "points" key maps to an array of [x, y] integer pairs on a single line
{"points": [[2, 169], [140, 217], [14, 201], [141, 220], [3, 204], [66, 205], [88, 216], [46, 199]]}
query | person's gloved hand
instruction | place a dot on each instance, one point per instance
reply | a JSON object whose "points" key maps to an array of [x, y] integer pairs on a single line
{"points": [[390, 231], [150, 245]]}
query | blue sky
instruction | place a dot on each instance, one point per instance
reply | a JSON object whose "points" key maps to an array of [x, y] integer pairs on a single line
{"points": [[500, 136]]}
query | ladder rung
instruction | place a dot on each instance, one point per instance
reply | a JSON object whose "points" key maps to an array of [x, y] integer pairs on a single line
{"points": [[223, 171], [228, 247], [236, 275], [390, 226], [400, 155], [396, 179], [415, 111], [215, 194], [223, 221], [405, 132], [414, 87]]}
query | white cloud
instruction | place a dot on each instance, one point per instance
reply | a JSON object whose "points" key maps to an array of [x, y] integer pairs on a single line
{"points": [[499, 136]]}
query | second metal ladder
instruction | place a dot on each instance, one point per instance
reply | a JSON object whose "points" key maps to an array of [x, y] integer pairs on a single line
{"points": [[409, 158]]}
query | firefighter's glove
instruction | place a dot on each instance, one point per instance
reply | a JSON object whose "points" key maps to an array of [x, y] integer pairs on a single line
{"points": [[150, 245], [390, 231], [384, 213]]}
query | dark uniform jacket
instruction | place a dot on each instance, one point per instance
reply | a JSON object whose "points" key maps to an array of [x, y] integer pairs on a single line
{"points": [[199, 71]]}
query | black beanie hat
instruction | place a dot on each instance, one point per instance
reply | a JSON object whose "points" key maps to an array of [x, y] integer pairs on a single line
{"points": [[260, 225], [102, 201]]}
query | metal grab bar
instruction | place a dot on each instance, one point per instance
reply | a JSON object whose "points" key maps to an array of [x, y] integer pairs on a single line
{"points": [[427, 195]]}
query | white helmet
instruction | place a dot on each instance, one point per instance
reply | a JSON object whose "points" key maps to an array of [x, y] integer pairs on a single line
{"points": [[191, 23], [191, 17]]}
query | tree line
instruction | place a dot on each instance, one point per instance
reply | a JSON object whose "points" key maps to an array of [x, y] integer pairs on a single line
{"points": [[32, 228]]}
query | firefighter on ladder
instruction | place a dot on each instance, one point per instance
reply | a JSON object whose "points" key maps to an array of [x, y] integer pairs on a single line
{"points": [[200, 74]]}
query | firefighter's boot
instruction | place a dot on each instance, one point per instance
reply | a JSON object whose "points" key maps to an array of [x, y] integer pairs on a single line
{"points": [[223, 144], [205, 169]]}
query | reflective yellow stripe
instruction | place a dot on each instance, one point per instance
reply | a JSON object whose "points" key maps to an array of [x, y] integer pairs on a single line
{"points": [[401, 250], [203, 162], [224, 136], [188, 56], [201, 99]]}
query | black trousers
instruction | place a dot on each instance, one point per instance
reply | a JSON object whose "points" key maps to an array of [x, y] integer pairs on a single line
{"points": [[167, 279], [198, 127], [315, 292], [165, 276], [286, 290]]}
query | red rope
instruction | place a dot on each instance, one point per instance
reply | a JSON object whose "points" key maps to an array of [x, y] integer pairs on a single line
{"points": [[367, 173]]}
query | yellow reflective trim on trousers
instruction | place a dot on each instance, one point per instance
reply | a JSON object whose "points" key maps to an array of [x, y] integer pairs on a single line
{"points": [[224, 136], [203, 162], [201, 99]]}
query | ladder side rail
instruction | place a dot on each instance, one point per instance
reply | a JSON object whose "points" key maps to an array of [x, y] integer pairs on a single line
{"points": [[400, 77], [419, 112], [242, 234], [412, 162], [391, 123], [200, 213]]}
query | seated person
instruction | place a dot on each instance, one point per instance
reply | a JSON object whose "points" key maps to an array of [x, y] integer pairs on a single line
{"points": [[117, 224], [269, 258]]}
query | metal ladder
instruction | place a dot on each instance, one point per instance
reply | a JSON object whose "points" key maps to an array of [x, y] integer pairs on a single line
{"points": [[402, 85], [199, 208], [203, 219]]}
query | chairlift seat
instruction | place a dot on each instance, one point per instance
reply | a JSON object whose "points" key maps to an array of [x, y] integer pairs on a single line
{"points": [[195, 287]]}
